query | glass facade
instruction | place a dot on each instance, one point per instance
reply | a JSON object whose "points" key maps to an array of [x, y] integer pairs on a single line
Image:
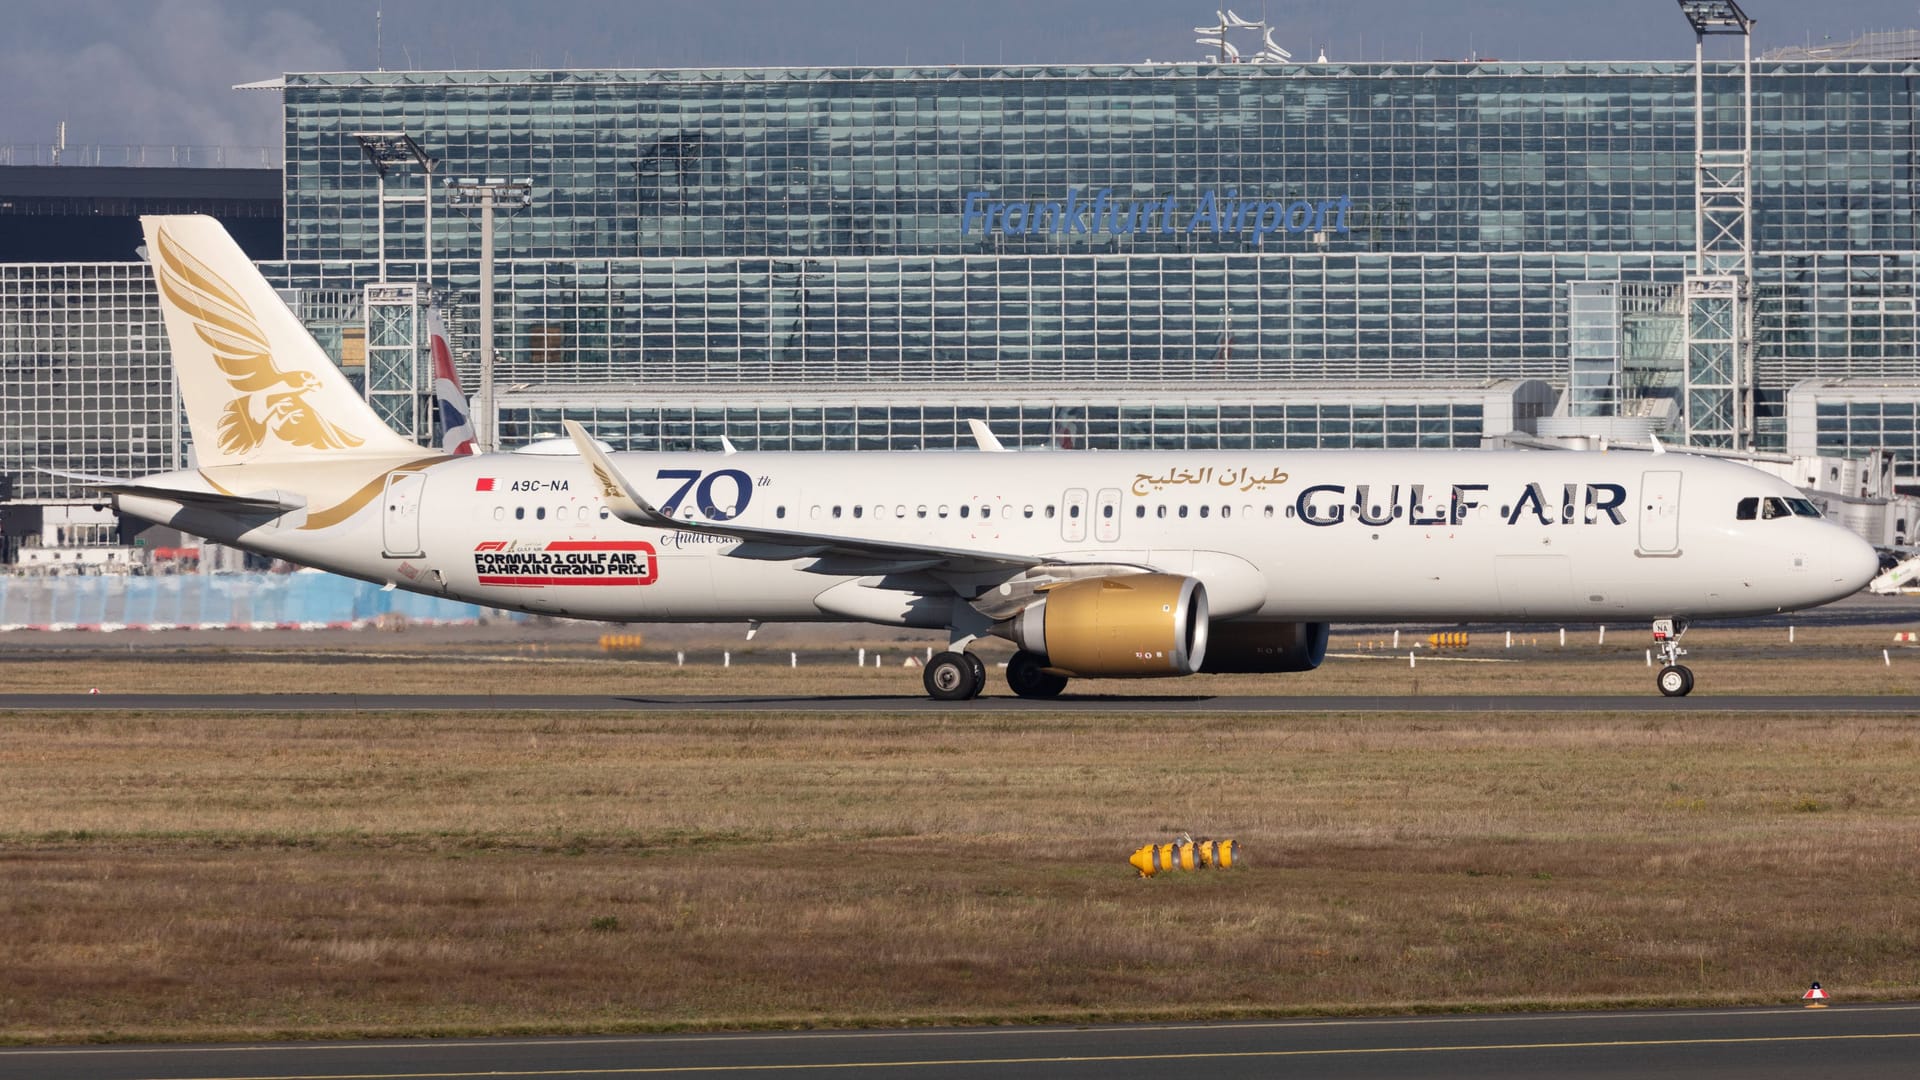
{"points": [[84, 379], [1304, 425], [943, 237], [1133, 224]]}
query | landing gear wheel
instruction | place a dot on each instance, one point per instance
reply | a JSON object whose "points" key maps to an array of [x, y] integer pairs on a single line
{"points": [[1674, 679], [952, 676], [979, 672], [1026, 678]]}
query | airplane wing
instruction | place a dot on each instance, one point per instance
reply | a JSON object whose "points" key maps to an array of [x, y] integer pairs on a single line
{"points": [[630, 506]]}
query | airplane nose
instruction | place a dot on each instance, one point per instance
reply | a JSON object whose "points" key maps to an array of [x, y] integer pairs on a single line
{"points": [[1854, 561]]}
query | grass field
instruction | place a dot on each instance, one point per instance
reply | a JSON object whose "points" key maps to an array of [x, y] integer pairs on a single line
{"points": [[1826, 659], [173, 875]]}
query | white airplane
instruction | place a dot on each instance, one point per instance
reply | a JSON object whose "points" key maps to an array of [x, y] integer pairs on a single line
{"points": [[1096, 565]]}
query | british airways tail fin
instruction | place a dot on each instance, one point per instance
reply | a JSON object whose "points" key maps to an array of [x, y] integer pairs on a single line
{"points": [[257, 387], [456, 420]]}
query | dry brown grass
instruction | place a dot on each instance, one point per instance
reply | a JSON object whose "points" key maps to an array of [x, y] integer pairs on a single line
{"points": [[169, 874], [1825, 659]]}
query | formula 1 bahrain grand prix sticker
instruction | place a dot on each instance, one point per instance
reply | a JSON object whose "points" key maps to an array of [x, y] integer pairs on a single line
{"points": [[566, 562]]}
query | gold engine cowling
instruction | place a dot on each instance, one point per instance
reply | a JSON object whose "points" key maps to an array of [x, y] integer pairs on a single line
{"points": [[1265, 647], [1135, 626]]}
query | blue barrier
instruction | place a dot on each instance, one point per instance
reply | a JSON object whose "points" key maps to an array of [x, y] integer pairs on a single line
{"points": [[214, 600]]}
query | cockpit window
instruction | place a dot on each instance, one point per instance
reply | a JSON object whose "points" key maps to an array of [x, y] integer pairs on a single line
{"points": [[1774, 506]]}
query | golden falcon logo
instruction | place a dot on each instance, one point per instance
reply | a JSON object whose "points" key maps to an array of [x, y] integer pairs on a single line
{"points": [[271, 400]]}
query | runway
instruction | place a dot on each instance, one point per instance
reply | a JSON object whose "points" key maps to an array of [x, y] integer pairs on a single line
{"points": [[1863, 1041], [1160, 704]]}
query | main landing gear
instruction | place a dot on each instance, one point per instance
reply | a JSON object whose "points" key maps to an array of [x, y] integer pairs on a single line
{"points": [[1675, 679], [1027, 677], [959, 675], [955, 676]]}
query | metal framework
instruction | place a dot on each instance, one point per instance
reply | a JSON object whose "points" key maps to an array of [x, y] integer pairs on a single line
{"points": [[394, 385], [1718, 290]]}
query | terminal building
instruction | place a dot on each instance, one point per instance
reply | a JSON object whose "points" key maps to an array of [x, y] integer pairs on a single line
{"points": [[1718, 252]]}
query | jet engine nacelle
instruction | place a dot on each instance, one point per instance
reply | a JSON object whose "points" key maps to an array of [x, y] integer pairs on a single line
{"points": [[1133, 626], [1266, 647]]}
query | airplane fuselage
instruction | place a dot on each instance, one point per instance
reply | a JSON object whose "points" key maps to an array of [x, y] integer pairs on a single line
{"points": [[1298, 536]]}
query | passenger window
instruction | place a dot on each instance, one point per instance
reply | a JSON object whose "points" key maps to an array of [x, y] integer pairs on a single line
{"points": [[499, 513], [900, 510], [1026, 511], [540, 513], [813, 513], [519, 513], [1269, 512], [941, 510], [856, 511], [778, 511], [1074, 512], [1160, 511], [965, 509], [836, 511], [1204, 508], [1226, 511], [1139, 511], [919, 511], [605, 513], [1748, 509], [1183, 510], [986, 511], [1049, 509]]}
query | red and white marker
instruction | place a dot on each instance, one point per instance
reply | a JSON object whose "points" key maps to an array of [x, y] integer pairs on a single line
{"points": [[95, 690], [1815, 997]]}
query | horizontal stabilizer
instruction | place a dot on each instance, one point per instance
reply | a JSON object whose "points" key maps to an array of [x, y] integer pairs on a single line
{"points": [[269, 502], [274, 501]]}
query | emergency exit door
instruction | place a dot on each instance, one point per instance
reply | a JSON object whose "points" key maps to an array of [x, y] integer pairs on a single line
{"points": [[400, 520]]}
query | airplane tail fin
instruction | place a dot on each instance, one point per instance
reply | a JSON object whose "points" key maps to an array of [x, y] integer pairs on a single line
{"points": [[456, 419], [257, 387]]}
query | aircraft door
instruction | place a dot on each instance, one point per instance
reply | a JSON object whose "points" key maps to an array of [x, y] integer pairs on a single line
{"points": [[1660, 513], [400, 522], [1106, 515], [1073, 515]]}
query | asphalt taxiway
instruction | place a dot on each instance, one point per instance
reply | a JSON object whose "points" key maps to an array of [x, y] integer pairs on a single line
{"points": [[887, 703], [1863, 1042]]}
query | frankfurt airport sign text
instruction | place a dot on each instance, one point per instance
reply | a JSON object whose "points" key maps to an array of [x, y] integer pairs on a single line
{"points": [[1081, 213]]}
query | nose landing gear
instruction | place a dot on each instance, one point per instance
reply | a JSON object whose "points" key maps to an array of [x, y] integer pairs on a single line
{"points": [[1675, 679]]}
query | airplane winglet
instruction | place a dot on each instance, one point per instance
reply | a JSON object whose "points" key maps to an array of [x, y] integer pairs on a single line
{"points": [[626, 503], [983, 436], [726, 446]]}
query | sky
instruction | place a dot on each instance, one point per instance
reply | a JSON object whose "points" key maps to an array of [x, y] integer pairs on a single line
{"points": [[160, 72]]}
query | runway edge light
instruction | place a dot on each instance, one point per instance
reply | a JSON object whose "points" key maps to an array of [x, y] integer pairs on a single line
{"points": [[1815, 997]]}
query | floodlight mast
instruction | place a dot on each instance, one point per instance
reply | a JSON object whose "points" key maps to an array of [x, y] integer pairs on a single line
{"points": [[485, 195], [384, 150], [1717, 377]]}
